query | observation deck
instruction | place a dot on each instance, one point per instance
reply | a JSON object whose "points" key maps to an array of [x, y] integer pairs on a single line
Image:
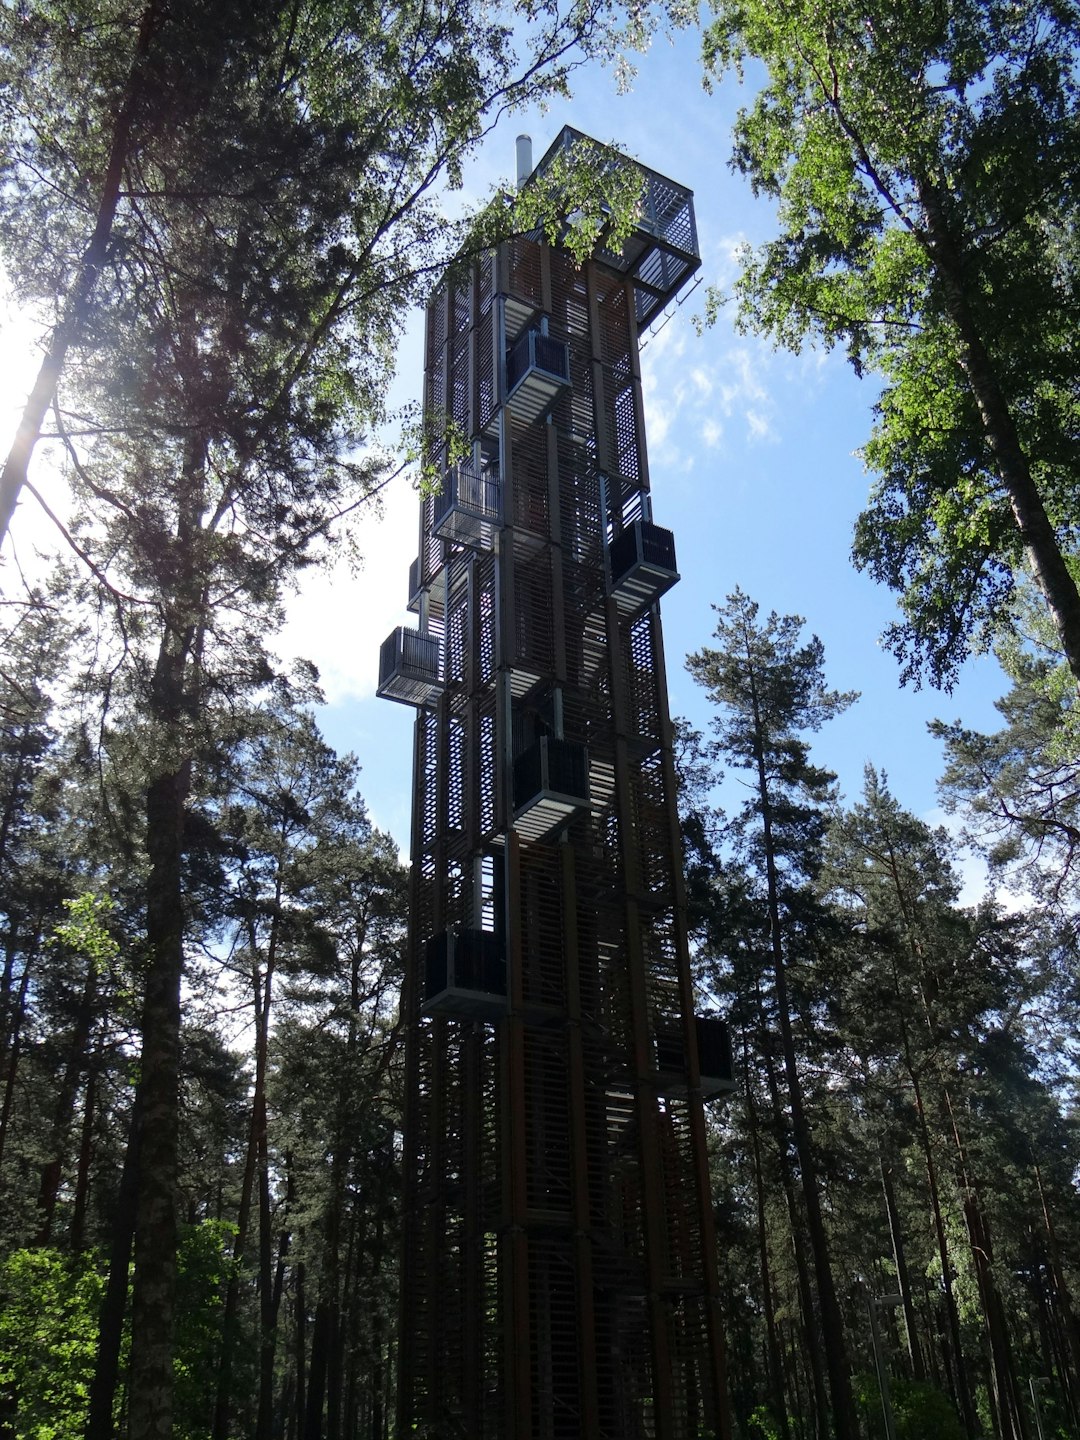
{"points": [[468, 510], [642, 563], [661, 253], [409, 668], [714, 1059], [465, 975], [551, 783], [537, 372]]}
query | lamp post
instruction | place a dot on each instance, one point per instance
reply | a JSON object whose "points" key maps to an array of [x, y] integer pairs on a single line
{"points": [[1036, 1382], [872, 1303]]}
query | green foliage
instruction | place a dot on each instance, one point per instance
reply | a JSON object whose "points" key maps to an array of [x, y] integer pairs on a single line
{"points": [[763, 1426], [85, 931], [923, 161], [921, 1411], [769, 686], [204, 1264], [1019, 787], [588, 193], [48, 1340], [48, 1335]]}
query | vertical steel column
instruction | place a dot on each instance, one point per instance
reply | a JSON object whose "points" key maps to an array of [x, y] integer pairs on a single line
{"points": [[644, 1094], [518, 1399]]}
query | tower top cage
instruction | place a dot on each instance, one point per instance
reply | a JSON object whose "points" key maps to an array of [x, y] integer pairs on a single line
{"points": [[661, 253]]}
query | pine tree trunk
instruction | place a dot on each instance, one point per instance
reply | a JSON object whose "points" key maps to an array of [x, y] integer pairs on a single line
{"points": [[230, 1311], [267, 1317], [967, 1408], [811, 1330], [267, 1308], [153, 1291], [832, 1322], [1063, 1306], [772, 1349], [86, 1153], [1011, 1415], [316, 1382], [99, 1422], [7, 982], [230, 1317], [14, 1044], [301, 1354], [903, 1281], [77, 1062], [1029, 513], [73, 319]]}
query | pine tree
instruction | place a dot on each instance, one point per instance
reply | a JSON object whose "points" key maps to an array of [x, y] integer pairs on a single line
{"points": [[770, 691], [224, 369]]}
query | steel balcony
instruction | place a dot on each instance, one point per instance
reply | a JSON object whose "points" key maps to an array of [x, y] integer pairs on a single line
{"points": [[714, 1058], [551, 783], [465, 975], [642, 561], [537, 372], [660, 255], [468, 509], [409, 668]]}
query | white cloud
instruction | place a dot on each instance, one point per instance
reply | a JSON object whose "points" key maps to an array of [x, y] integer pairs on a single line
{"points": [[972, 869], [339, 619], [712, 433], [720, 255], [746, 384]]}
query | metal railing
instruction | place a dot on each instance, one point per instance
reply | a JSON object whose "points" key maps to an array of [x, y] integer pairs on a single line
{"points": [[713, 1043], [534, 351], [667, 209], [559, 767], [641, 543], [409, 652], [714, 1048], [471, 960], [468, 488]]}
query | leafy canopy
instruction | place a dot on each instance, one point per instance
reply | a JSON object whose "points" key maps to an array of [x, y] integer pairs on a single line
{"points": [[924, 164]]}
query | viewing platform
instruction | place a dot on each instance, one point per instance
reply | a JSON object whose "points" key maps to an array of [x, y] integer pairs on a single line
{"points": [[642, 564], [465, 975], [551, 783], [661, 253], [468, 509], [409, 668], [537, 372], [714, 1059]]}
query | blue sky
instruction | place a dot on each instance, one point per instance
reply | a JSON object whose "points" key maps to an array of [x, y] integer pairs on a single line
{"points": [[751, 455], [752, 460]]}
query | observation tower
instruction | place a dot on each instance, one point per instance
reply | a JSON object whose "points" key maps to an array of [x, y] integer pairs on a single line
{"points": [[559, 1276]]}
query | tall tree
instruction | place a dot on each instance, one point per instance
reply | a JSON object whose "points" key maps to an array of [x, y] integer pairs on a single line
{"points": [[275, 216], [770, 690], [1019, 787], [924, 161]]}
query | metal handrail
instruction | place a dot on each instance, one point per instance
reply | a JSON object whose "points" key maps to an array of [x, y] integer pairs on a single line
{"points": [[559, 766], [411, 650], [470, 488], [535, 351], [642, 542]]}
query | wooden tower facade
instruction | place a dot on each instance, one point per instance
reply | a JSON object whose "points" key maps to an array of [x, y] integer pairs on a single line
{"points": [[559, 1277]]}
